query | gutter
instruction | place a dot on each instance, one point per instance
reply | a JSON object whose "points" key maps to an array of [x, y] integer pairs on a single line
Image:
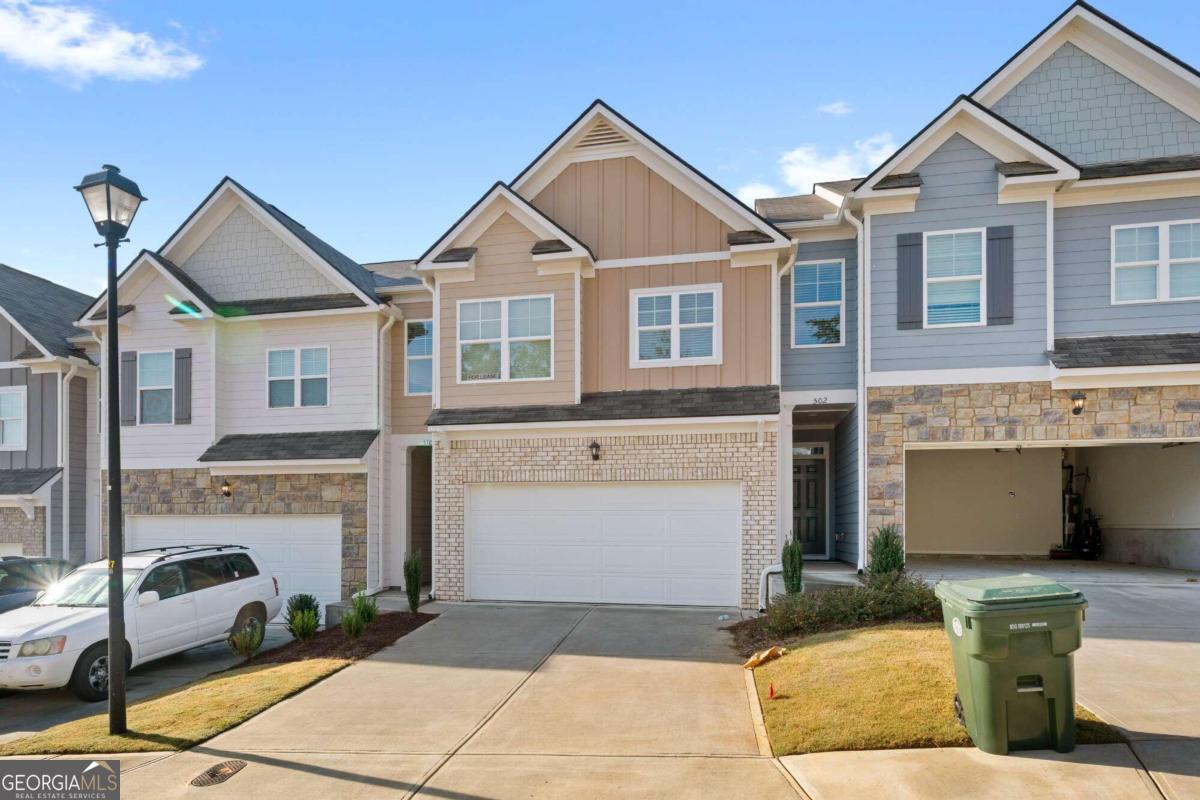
{"points": [[382, 443], [863, 311]]}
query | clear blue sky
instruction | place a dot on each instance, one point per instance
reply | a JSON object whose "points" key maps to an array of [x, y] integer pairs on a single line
{"points": [[376, 125]]}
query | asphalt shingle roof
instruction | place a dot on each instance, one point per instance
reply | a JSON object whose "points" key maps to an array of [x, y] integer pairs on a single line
{"points": [[901, 180], [122, 310], [282, 305], [546, 246], [843, 186], [1012, 169], [455, 255], [290, 446], [24, 481], [44, 309], [797, 208], [748, 237], [1126, 351], [1145, 166], [648, 404]]}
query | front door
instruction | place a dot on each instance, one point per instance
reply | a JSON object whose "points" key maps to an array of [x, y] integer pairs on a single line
{"points": [[808, 498]]}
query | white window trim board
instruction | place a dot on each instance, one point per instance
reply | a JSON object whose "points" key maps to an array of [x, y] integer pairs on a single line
{"points": [[407, 358], [925, 280], [297, 377], [841, 342], [504, 340], [138, 398], [1162, 265], [23, 391], [674, 291]]}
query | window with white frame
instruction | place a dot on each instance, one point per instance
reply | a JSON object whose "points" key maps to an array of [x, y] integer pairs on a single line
{"points": [[505, 340], [675, 326], [1144, 271], [818, 304], [12, 418], [298, 377], [955, 286], [156, 388], [418, 357]]}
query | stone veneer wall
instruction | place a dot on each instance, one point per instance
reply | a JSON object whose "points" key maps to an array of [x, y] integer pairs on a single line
{"points": [[16, 528], [1008, 412], [195, 492], [747, 457]]}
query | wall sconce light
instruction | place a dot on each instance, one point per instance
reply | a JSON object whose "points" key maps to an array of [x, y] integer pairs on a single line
{"points": [[595, 448], [1077, 403], [226, 489]]}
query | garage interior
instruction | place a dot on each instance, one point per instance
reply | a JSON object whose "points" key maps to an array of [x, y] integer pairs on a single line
{"points": [[1012, 501]]}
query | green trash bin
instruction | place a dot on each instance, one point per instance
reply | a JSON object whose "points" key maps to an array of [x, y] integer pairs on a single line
{"points": [[1012, 639]]}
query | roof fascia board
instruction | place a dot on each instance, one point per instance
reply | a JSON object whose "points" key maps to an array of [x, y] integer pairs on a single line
{"points": [[750, 420], [1131, 189], [144, 257]]}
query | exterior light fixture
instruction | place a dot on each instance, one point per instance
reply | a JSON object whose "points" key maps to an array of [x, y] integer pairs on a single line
{"points": [[111, 199], [595, 448], [1077, 400], [226, 489]]}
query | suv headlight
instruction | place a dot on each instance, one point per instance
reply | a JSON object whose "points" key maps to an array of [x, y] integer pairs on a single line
{"points": [[50, 646]]}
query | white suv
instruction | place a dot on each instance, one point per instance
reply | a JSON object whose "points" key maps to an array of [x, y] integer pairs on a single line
{"points": [[176, 598]]}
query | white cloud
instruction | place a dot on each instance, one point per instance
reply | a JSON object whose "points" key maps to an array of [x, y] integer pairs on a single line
{"points": [[753, 191], [809, 164], [838, 108], [78, 44]]}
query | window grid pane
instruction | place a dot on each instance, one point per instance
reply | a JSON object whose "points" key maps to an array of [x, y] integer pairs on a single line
{"points": [[529, 359], [314, 391], [281, 363], [696, 308], [953, 303], [1185, 241], [420, 376], [696, 342], [281, 394], [816, 325], [952, 255], [314, 361], [157, 406], [10, 405], [480, 361], [420, 339], [1135, 245], [817, 283], [1185, 280], [654, 311], [1137, 283], [654, 345], [155, 369]]}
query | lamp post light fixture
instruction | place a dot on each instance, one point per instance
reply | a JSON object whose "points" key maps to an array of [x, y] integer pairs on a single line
{"points": [[113, 200], [226, 489], [595, 448], [1077, 400]]}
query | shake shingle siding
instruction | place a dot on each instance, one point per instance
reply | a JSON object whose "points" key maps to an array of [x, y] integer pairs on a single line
{"points": [[832, 367]]}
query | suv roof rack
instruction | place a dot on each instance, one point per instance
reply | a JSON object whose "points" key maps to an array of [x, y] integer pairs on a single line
{"points": [[184, 549]]}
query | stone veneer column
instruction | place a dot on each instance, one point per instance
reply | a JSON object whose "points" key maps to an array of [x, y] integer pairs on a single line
{"points": [[16, 528], [747, 457]]}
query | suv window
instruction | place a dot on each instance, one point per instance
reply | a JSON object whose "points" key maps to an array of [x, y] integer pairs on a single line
{"points": [[205, 573], [242, 566], [168, 580], [17, 578]]}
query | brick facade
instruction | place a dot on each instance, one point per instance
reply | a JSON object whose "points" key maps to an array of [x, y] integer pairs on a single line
{"points": [[898, 416], [195, 492], [746, 457], [16, 528]]}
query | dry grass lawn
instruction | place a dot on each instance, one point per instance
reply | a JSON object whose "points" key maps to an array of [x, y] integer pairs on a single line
{"points": [[183, 717], [878, 688]]}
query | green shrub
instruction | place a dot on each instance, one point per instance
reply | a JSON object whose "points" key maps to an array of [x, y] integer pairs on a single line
{"points": [[296, 604], [246, 640], [412, 580], [352, 624], [793, 567], [366, 607], [884, 598], [303, 624], [886, 554]]}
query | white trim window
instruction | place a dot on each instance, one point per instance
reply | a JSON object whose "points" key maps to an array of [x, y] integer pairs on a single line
{"points": [[298, 376], [955, 278], [818, 304], [13, 417], [508, 339], [1144, 271], [156, 388], [418, 357], [674, 326]]}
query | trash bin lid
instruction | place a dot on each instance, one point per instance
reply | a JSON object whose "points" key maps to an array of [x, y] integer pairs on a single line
{"points": [[1009, 589]]}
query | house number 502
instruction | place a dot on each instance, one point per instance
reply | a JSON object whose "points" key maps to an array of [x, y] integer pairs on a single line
{"points": [[820, 401]]}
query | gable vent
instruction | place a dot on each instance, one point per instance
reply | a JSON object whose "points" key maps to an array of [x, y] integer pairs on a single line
{"points": [[602, 134]]}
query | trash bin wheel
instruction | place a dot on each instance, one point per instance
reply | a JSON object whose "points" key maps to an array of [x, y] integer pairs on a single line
{"points": [[958, 710]]}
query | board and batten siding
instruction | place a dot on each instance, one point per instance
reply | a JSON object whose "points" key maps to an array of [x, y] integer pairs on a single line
{"points": [[833, 366], [845, 489], [242, 374], [504, 267], [1083, 271], [408, 413], [41, 415], [76, 457], [959, 191]]}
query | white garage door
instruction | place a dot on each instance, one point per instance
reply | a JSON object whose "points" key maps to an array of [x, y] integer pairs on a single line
{"points": [[650, 543], [303, 551]]}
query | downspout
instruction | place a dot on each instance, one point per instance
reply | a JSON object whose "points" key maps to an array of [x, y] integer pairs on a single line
{"points": [[64, 459], [380, 411], [863, 311]]}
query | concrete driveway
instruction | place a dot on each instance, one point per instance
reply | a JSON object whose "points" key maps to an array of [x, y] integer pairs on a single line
{"points": [[23, 713], [498, 701]]}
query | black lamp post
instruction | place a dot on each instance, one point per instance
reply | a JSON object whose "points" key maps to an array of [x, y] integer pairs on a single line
{"points": [[113, 200]]}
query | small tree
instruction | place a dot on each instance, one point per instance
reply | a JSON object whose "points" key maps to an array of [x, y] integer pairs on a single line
{"points": [[886, 554], [412, 580], [353, 625], [303, 624], [296, 604], [793, 567], [366, 607]]}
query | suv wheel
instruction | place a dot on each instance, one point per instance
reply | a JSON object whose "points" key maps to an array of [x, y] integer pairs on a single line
{"points": [[250, 618], [89, 681]]}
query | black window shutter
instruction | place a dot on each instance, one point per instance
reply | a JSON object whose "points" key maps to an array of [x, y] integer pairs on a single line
{"points": [[1000, 275], [183, 386], [909, 281], [128, 386]]}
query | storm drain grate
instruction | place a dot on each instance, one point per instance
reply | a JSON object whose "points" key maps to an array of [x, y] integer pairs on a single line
{"points": [[219, 773]]}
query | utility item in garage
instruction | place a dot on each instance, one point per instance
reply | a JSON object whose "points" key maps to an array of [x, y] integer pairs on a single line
{"points": [[1012, 639]]}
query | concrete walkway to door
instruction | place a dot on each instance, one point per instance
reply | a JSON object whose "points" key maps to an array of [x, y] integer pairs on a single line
{"points": [[497, 701]]}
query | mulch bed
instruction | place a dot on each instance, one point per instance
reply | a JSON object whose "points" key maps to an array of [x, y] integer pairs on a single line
{"points": [[334, 643], [750, 635]]}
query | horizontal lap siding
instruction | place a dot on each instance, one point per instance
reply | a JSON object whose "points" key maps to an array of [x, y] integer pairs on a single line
{"points": [[1082, 271], [833, 367], [408, 413], [845, 489], [505, 268], [959, 191]]}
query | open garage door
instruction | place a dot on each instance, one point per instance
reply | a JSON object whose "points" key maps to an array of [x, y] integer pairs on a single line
{"points": [[643, 543], [303, 551]]}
